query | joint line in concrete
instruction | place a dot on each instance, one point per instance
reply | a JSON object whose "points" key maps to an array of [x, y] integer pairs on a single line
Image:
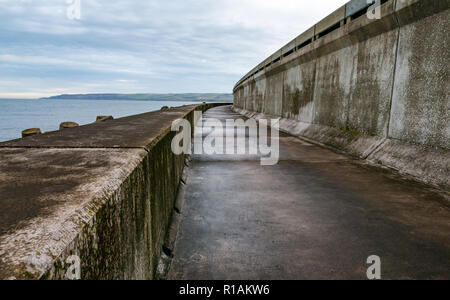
{"points": [[388, 129]]}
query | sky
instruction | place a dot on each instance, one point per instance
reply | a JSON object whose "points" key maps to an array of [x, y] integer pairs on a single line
{"points": [[143, 46]]}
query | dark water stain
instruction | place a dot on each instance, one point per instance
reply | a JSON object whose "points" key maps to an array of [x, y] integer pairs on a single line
{"points": [[365, 104], [294, 101], [329, 95]]}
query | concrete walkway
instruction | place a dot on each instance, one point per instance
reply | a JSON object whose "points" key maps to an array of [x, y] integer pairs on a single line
{"points": [[315, 215]]}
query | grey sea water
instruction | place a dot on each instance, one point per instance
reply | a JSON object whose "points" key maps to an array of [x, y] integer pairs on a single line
{"points": [[19, 114]]}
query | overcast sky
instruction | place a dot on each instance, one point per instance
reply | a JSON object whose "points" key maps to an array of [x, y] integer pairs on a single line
{"points": [[143, 46]]}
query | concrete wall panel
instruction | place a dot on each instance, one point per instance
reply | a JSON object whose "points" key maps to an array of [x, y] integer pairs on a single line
{"points": [[332, 87], [260, 93], [273, 99], [371, 85], [248, 95], [421, 102], [298, 91]]}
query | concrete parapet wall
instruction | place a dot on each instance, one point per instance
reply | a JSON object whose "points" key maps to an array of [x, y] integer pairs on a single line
{"points": [[362, 81], [104, 192]]}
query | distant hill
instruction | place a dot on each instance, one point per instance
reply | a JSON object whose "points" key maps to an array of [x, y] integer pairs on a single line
{"points": [[148, 97]]}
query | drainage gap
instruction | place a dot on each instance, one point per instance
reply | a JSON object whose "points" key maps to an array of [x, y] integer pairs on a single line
{"points": [[304, 44], [167, 251], [330, 30]]}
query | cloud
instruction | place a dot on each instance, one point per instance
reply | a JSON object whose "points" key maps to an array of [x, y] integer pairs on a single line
{"points": [[144, 46]]}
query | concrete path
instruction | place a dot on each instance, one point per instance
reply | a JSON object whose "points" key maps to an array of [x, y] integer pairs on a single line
{"points": [[315, 215]]}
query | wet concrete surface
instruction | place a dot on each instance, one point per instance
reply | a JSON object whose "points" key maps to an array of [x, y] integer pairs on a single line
{"points": [[315, 215]]}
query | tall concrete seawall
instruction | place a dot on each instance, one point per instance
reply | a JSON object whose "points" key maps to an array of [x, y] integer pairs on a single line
{"points": [[374, 88], [103, 192]]}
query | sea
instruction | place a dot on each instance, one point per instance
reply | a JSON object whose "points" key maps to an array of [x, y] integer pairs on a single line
{"points": [[20, 114]]}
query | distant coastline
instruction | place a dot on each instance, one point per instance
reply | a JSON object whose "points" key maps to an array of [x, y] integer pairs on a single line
{"points": [[191, 97]]}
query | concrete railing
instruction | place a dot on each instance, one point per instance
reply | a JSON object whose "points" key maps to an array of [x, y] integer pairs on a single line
{"points": [[101, 195], [374, 87]]}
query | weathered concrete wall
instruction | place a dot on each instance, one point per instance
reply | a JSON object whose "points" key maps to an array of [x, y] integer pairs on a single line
{"points": [[332, 87], [299, 92], [421, 102], [104, 192], [355, 83]]}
